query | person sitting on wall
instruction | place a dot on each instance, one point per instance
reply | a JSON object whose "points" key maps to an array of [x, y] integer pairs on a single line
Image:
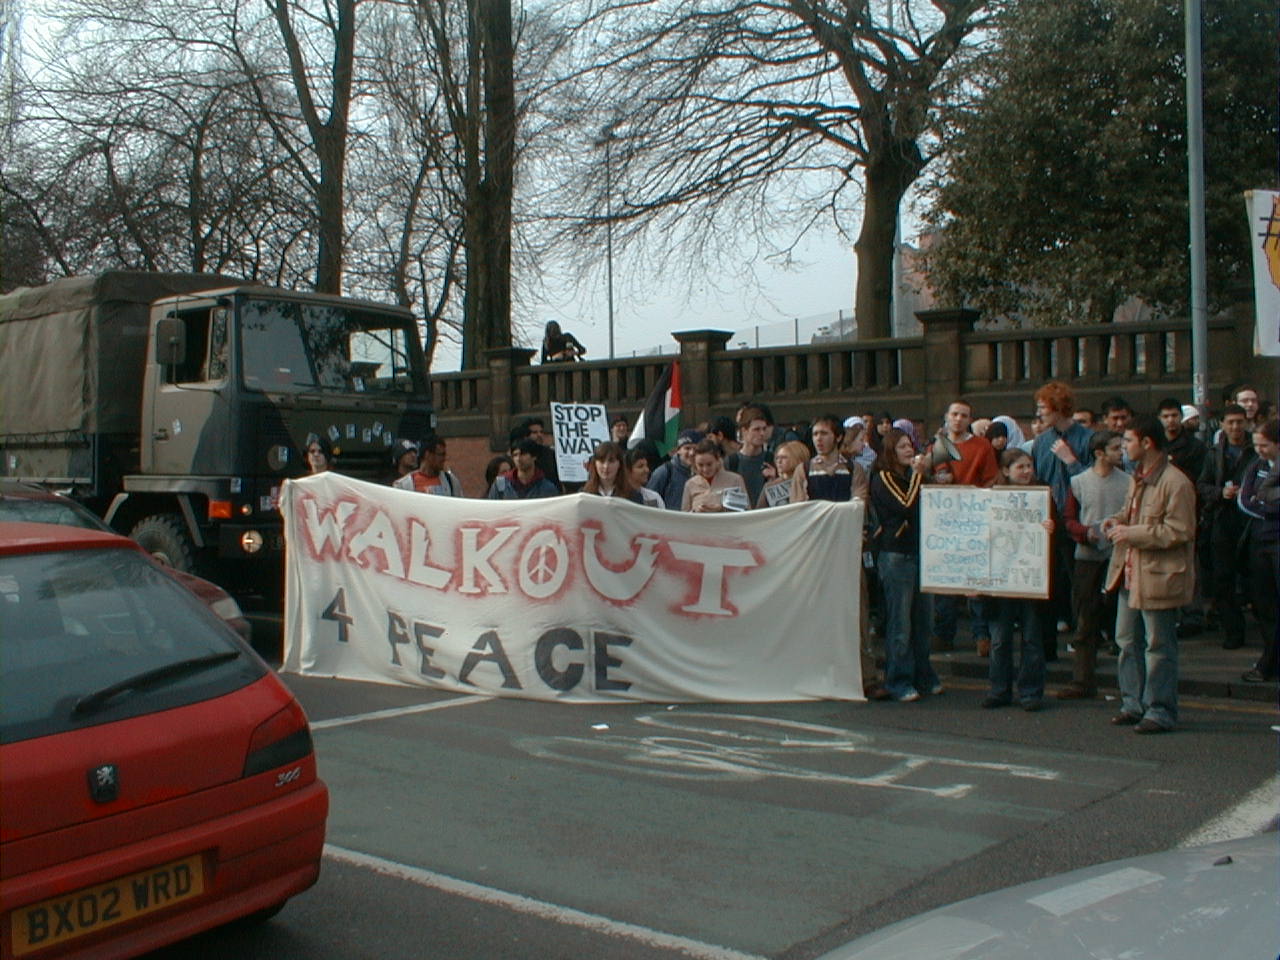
{"points": [[558, 346]]}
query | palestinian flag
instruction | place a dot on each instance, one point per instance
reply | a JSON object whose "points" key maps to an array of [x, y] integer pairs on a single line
{"points": [[660, 420]]}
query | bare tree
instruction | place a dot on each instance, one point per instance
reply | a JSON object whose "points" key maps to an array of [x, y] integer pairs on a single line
{"points": [[768, 115]]}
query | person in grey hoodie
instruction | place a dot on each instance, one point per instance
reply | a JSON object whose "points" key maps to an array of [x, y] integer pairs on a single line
{"points": [[669, 479]]}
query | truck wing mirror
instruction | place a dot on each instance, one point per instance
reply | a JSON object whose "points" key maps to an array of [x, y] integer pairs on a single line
{"points": [[171, 342]]}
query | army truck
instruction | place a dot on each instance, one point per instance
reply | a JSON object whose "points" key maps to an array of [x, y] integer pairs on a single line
{"points": [[175, 405]]}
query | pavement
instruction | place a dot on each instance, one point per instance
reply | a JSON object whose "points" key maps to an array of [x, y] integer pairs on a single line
{"points": [[1205, 669]]}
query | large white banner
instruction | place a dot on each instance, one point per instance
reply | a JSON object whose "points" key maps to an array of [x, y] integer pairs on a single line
{"points": [[578, 598]]}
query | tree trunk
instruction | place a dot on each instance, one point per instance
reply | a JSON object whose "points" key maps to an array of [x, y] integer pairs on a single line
{"points": [[887, 179]]}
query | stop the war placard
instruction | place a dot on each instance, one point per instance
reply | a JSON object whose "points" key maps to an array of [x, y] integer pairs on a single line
{"points": [[578, 429], [989, 541]]}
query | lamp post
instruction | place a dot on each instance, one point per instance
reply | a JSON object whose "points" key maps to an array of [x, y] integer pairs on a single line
{"points": [[606, 141], [1195, 202]]}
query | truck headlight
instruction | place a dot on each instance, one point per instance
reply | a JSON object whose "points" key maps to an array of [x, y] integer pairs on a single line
{"points": [[251, 541]]}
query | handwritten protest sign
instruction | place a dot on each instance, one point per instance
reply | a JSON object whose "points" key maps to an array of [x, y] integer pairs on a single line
{"points": [[578, 428], [985, 541]]}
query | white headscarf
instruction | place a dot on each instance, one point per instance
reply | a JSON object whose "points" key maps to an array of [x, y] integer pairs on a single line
{"points": [[1016, 438]]}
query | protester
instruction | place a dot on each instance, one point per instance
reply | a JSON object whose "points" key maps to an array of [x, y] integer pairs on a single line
{"points": [[431, 476], [909, 428], [1247, 397], [558, 346], [895, 493], [1116, 417], [1182, 448], [854, 446], [880, 428], [319, 453], [997, 435], [1059, 453], [1084, 417], [534, 428], [1016, 469], [1013, 432], [724, 432], [751, 457], [620, 431], [1222, 526], [525, 481], [1153, 566], [830, 475], [669, 480], [976, 467], [499, 464], [712, 488], [606, 475], [404, 459], [1259, 500], [1096, 494], [638, 461], [789, 486]]}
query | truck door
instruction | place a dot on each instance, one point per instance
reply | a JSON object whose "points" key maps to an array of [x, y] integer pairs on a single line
{"points": [[190, 428]]}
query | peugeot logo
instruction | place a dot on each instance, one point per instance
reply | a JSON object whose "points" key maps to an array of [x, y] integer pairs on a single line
{"points": [[104, 783]]}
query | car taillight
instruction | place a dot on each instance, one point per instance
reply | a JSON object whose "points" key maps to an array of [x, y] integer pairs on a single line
{"points": [[283, 738]]}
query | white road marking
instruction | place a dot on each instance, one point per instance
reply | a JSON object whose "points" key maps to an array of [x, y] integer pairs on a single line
{"points": [[1252, 815], [536, 908], [396, 712], [937, 938]]}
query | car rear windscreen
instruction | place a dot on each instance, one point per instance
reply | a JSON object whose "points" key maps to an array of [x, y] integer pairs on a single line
{"points": [[96, 635]]}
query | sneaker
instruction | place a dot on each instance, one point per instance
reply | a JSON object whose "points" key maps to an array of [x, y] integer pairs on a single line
{"points": [[1256, 676], [876, 692], [911, 697], [1123, 719], [1033, 706], [1149, 726], [1063, 626], [937, 689], [991, 701]]}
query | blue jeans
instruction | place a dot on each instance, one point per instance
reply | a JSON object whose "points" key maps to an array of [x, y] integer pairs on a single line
{"points": [[1030, 680], [906, 627], [1148, 666], [946, 610]]}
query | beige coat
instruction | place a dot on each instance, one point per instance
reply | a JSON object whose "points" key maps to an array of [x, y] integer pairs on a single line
{"points": [[697, 490], [1162, 541]]}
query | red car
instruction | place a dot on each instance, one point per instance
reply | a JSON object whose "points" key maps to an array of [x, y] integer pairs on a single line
{"points": [[27, 502], [156, 778]]}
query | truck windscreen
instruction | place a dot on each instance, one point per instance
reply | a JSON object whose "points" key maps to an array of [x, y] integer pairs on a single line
{"points": [[300, 347]]}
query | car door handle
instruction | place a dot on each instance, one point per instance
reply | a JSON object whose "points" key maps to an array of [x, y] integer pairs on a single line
{"points": [[161, 434]]}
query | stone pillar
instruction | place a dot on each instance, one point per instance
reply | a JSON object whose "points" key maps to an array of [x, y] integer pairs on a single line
{"points": [[504, 398], [944, 355], [696, 348]]}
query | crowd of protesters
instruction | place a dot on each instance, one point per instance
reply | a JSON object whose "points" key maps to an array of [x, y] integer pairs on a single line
{"points": [[1162, 525]]}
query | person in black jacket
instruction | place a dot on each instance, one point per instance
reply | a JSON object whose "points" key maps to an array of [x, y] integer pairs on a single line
{"points": [[1222, 526]]}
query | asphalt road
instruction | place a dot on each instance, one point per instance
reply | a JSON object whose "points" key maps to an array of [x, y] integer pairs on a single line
{"points": [[476, 828]]}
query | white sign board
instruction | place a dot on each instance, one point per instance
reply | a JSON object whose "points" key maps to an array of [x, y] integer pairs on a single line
{"points": [[1264, 231], [578, 429], [578, 598], [989, 541]]}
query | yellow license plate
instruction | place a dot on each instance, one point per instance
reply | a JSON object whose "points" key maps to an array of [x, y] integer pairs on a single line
{"points": [[95, 908]]}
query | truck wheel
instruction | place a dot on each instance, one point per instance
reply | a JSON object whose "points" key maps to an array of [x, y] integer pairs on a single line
{"points": [[165, 537]]}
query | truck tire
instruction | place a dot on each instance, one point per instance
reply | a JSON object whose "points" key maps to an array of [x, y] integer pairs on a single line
{"points": [[165, 537]]}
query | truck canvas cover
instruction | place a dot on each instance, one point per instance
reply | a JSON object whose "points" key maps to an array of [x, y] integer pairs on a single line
{"points": [[73, 352]]}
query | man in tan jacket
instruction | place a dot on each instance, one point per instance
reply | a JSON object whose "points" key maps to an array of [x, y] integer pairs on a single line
{"points": [[1153, 567]]}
